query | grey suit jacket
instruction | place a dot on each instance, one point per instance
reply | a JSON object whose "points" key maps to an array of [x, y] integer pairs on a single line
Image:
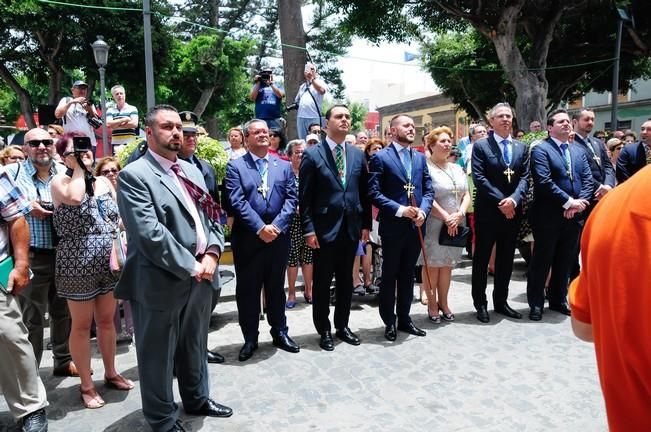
{"points": [[161, 235]]}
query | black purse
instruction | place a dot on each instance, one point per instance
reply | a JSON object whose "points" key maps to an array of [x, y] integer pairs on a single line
{"points": [[459, 240]]}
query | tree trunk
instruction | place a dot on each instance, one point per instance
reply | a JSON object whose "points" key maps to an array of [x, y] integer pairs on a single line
{"points": [[23, 96], [212, 127], [530, 86], [292, 33], [200, 107]]}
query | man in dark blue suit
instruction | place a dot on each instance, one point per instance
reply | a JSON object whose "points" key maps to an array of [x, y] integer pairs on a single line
{"points": [[262, 193], [500, 170], [401, 188], [563, 187], [336, 214], [636, 156], [603, 173], [186, 152]]}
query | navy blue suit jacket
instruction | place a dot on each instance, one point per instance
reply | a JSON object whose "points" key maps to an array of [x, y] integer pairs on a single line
{"points": [[602, 170], [631, 159], [249, 208], [552, 185], [491, 183], [325, 201], [387, 179]]}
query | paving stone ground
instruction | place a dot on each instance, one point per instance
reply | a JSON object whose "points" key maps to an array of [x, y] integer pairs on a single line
{"points": [[515, 375]]}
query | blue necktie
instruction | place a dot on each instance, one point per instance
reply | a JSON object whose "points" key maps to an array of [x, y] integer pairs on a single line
{"points": [[566, 156], [405, 157], [507, 156]]}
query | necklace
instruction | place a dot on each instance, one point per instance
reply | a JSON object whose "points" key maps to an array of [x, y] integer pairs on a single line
{"points": [[454, 183]]}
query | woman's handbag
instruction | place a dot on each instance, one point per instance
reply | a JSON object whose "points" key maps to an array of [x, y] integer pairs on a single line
{"points": [[458, 240]]}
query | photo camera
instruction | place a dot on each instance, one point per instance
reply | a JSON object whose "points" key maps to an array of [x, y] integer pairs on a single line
{"points": [[81, 144]]}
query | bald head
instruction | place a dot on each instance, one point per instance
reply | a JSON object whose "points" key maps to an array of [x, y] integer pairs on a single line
{"points": [[41, 154]]}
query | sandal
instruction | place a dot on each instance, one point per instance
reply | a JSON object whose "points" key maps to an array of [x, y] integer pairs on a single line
{"points": [[118, 382], [91, 399]]}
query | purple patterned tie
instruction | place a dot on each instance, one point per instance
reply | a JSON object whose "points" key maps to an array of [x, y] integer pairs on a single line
{"points": [[201, 198]]}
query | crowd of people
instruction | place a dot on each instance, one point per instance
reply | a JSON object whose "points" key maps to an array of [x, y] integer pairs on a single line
{"points": [[321, 203]]}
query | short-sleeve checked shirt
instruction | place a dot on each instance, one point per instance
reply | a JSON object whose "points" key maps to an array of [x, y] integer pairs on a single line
{"points": [[35, 189], [12, 205]]}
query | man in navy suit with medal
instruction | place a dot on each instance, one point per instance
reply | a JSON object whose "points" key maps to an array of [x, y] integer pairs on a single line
{"points": [[563, 187], [262, 194], [336, 215], [500, 171], [401, 188]]}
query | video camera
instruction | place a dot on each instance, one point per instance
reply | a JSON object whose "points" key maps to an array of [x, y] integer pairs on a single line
{"points": [[265, 75]]}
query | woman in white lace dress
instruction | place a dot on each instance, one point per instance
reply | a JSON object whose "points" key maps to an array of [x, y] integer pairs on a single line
{"points": [[451, 199]]}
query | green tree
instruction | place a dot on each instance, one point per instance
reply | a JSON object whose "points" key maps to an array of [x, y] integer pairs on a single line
{"points": [[523, 34]]}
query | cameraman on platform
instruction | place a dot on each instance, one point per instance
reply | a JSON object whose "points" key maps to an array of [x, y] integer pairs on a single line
{"points": [[267, 97], [79, 113], [308, 101]]}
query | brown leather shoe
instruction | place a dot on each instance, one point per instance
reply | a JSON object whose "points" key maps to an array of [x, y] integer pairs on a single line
{"points": [[67, 370]]}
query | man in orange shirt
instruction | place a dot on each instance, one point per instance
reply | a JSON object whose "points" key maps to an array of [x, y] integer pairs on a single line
{"points": [[610, 300]]}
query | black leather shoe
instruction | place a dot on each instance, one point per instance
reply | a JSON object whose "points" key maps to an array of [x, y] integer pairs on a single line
{"points": [[411, 329], [212, 409], [390, 333], [285, 343], [535, 314], [178, 427], [347, 336], [247, 351], [35, 421], [326, 343], [482, 314], [214, 357], [563, 308], [506, 310]]}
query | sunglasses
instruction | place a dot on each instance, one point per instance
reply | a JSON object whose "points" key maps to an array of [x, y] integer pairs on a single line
{"points": [[37, 143], [619, 147], [109, 171]]}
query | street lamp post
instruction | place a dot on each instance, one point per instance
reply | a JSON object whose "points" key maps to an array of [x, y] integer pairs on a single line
{"points": [[623, 16], [100, 51]]}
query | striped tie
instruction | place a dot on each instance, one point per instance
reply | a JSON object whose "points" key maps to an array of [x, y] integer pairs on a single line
{"points": [[339, 160]]}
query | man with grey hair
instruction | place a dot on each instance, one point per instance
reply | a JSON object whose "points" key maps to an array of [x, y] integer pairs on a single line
{"points": [[500, 171], [535, 126], [122, 118], [263, 198]]}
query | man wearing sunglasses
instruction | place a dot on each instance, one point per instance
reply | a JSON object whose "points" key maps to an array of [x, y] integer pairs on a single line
{"points": [[34, 178]]}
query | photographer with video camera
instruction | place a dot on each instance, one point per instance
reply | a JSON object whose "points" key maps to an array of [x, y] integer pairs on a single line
{"points": [[308, 101], [267, 97], [86, 218], [78, 113]]}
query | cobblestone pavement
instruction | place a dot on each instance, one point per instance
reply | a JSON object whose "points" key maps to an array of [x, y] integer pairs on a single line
{"points": [[514, 375]]}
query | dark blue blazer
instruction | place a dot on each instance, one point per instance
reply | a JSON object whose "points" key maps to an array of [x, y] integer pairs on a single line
{"points": [[325, 202], [552, 185], [602, 169], [387, 179], [491, 183], [630, 160], [249, 208]]}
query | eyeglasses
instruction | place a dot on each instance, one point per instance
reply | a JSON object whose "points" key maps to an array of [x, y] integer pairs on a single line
{"points": [[618, 148], [109, 171], [36, 143]]}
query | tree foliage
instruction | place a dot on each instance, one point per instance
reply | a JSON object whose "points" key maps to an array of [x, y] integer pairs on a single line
{"points": [[530, 39]]}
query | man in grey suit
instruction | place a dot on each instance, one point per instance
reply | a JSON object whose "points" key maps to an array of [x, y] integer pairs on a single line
{"points": [[172, 258]]}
